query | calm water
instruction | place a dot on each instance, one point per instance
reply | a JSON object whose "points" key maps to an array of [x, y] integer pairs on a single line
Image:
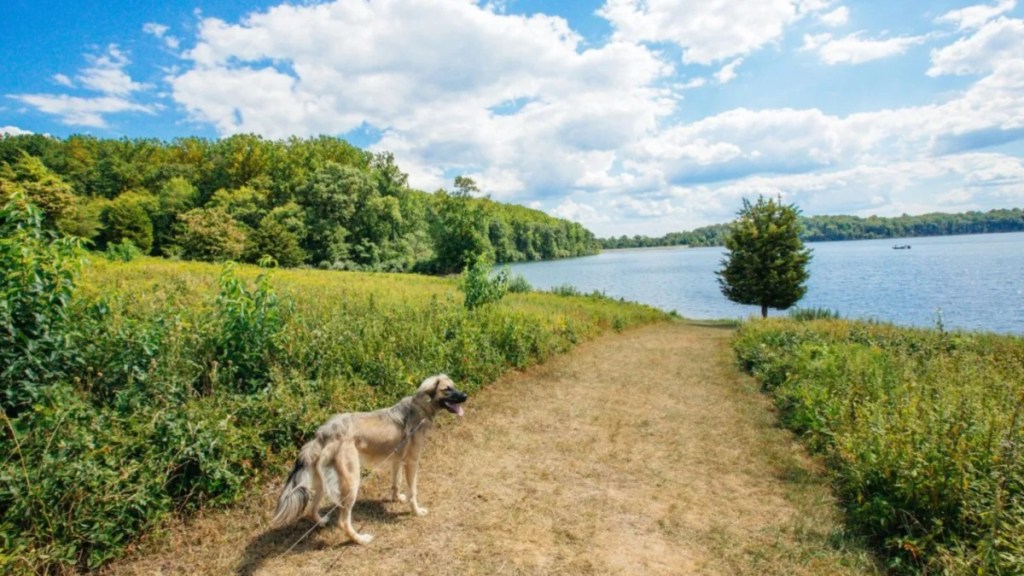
{"points": [[975, 282]]}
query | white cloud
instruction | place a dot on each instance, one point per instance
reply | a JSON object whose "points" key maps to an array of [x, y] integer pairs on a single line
{"points": [[79, 111], [978, 15], [728, 72], [13, 131], [514, 100], [835, 18], [160, 31], [576, 212], [63, 80], [997, 41], [707, 31], [852, 49], [104, 75]]}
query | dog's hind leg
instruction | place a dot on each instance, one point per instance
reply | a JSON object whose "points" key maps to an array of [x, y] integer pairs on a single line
{"points": [[347, 465], [317, 494], [396, 465]]}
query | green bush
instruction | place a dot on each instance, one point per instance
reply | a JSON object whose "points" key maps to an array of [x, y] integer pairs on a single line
{"points": [[518, 284], [123, 251], [38, 271], [923, 432], [809, 314], [250, 322], [478, 285]]}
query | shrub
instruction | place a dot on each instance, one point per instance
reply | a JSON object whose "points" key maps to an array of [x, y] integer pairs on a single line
{"points": [[478, 285], [250, 322], [921, 429], [809, 314], [123, 251], [518, 284], [38, 271], [566, 290]]}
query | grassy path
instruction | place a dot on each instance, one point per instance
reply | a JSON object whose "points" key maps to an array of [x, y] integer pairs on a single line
{"points": [[637, 453]]}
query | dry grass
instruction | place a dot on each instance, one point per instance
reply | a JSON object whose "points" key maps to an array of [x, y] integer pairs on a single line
{"points": [[638, 453]]}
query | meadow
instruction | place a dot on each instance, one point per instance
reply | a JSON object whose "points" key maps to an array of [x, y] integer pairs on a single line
{"points": [[922, 432], [167, 387]]}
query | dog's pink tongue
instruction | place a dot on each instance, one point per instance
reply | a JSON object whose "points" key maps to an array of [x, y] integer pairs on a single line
{"points": [[459, 411]]}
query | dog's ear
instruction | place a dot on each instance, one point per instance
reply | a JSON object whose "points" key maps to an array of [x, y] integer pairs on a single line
{"points": [[429, 386]]}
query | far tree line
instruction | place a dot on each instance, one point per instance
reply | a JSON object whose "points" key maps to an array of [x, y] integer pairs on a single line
{"points": [[829, 228], [317, 202]]}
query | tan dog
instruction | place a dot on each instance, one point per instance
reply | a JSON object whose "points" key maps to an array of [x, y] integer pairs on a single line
{"points": [[347, 441]]}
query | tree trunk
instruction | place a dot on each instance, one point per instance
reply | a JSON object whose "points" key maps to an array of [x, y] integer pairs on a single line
{"points": [[764, 310]]}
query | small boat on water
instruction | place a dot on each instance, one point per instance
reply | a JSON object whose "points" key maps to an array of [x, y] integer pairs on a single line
{"points": [[901, 247]]}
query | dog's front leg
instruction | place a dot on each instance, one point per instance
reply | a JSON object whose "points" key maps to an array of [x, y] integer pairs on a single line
{"points": [[412, 466]]}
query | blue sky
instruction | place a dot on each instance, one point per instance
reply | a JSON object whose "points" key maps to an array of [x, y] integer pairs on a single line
{"points": [[630, 116]]}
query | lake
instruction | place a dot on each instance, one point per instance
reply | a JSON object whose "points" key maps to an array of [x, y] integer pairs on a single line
{"points": [[973, 282]]}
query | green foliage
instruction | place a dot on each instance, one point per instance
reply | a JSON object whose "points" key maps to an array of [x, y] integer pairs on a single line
{"points": [[127, 218], [38, 271], [518, 284], [250, 323], [40, 186], [808, 314], [923, 432], [458, 229], [210, 235], [479, 287], [766, 264], [124, 251]]}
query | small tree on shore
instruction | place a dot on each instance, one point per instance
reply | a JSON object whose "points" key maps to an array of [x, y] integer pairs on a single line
{"points": [[766, 264]]}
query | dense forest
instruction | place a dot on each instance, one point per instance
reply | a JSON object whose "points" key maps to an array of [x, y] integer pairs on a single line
{"points": [[827, 228], [317, 202]]}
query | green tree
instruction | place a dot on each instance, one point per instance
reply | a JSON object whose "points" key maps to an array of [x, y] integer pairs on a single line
{"points": [[210, 234], [459, 228], [128, 216], [42, 187], [279, 236], [767, 262], [330, 205]]}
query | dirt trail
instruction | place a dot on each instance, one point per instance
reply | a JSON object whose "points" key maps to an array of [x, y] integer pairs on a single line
{"points": [[638, 453]]}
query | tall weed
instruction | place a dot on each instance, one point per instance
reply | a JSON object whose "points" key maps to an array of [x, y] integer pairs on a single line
{"points": [[922, 430]]}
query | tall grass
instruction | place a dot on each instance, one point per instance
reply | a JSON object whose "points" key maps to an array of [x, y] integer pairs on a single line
{"points": [[922, 430], [189, 379]]}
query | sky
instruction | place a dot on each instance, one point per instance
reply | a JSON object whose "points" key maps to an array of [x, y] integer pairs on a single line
{"points": [[628, 116]]}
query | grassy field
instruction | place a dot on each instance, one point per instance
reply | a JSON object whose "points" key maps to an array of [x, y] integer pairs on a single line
{"points": [[922, 431], [173, 386]]}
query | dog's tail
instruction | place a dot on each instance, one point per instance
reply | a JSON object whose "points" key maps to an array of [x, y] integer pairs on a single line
{"points": [[295, 495]]}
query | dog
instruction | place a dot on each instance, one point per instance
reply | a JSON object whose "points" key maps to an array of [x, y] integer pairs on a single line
{"points": [[347, 441]]}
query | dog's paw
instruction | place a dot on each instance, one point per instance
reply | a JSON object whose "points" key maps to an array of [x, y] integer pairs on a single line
{"points": [[362, 539], [319, 520], [420, 511], [401, 498]]}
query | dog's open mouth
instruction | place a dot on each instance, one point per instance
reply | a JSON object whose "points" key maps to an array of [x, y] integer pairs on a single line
{"points": [[453, 406]]}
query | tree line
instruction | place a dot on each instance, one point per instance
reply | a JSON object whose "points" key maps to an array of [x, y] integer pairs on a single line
{"points": [[318, 202], [829, 228]]}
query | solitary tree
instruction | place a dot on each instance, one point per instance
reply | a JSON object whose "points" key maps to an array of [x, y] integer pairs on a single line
{"points": [[767, 262]]}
